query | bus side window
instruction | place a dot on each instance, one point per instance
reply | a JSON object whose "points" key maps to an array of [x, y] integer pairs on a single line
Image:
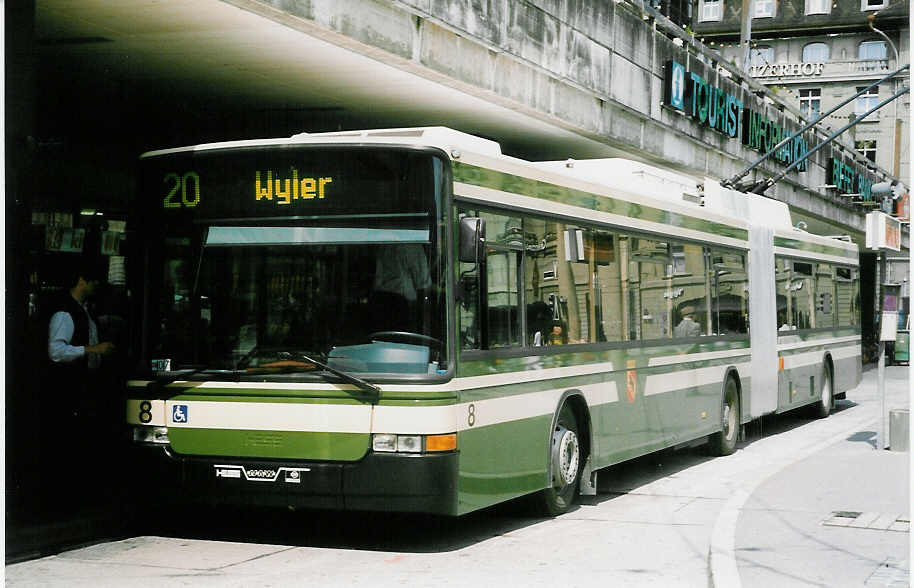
{"points": [[607, 288], [540, 280], [802, 295], [729, 293], [846, 293], [504, 248], [468, 284], [782, 293], [650, 275], [824, 296], [688, 291]]}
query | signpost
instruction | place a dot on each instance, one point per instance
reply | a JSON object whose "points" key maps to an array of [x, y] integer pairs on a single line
{"points": [[882, 233]]}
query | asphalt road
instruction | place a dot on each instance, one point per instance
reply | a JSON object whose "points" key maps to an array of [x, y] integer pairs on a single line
{"points": [[672, 519]]}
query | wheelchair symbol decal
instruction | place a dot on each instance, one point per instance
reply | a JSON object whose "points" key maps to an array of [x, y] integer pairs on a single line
{"points": [[179, 413]]}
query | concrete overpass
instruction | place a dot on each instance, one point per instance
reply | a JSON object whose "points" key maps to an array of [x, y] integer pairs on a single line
{"points": [[548, 80]]}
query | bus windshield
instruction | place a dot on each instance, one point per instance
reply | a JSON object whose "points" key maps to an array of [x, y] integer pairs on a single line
{"points": [[251, 291]]}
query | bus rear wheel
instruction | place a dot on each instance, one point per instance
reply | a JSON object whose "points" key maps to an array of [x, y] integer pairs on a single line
{"points": [[724, 442], [826, 402], [565, 464]]}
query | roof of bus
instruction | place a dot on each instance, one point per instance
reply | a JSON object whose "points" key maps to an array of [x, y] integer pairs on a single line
{"points": [[629, 179]]}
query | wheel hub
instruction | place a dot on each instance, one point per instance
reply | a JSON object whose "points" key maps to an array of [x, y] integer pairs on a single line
{"points": [[566, 456], [727, 425]]}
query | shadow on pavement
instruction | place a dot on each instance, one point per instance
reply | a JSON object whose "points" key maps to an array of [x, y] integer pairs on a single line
{"points": [[407, 533], [868, 437]]}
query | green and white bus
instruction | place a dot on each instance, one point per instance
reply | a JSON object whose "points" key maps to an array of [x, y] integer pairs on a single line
{"points": [[408, 320]]}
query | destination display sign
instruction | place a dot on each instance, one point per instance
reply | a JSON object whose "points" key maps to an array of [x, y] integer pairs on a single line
{"points": [[289, 181], [714, 107]]}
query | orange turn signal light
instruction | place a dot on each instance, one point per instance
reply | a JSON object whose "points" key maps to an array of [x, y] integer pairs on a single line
{"points": [[780, 364], [441, 442]]}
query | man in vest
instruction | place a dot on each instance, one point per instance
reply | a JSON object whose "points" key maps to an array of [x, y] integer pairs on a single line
{"points": [[72, 334], [73, 399]]}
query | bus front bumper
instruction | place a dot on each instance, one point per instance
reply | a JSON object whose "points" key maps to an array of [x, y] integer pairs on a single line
{"points": [[393, 482]]}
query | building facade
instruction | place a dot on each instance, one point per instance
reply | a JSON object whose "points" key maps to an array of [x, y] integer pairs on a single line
{"points": [[816, 54]]}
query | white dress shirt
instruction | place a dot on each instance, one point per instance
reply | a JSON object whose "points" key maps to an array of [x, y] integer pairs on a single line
{"points": [[60, 333]]}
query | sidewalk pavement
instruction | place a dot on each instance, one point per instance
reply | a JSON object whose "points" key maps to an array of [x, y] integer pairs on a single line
{"points": [[839, 517]]}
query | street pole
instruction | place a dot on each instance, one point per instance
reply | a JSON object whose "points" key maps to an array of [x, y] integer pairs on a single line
{"points": [[745, 36], [880, 376]]}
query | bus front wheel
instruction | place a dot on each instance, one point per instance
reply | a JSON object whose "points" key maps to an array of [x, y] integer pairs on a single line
{"points": [[724, 442], [565, 464]]}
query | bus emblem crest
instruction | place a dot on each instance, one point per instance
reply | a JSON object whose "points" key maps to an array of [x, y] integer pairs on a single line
{"points": [[631, 381]]}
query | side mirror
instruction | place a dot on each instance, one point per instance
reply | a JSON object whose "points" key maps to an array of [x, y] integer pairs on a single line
{"points": [[472, 236]]}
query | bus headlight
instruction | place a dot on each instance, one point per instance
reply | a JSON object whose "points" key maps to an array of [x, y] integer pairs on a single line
{"points": [[158, 435], [385, 443], [409, 444], [389, 443]]}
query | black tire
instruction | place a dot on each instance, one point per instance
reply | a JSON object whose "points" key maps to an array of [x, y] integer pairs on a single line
{"points": [[566, 462], [826, 403], [724, 442]]}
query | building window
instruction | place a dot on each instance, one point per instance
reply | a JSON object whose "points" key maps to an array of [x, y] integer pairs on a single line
{"points": [[867, 149], [710, 10], [872, 4], [867, 100], [810, 102], [818, 6], [815, 53], [761, 56], [764, 9], [871, 50]]}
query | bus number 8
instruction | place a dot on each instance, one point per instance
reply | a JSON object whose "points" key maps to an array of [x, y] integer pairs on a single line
{"points": [[145, 412], [181, 183]]}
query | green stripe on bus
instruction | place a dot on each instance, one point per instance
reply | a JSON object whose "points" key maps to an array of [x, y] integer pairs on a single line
{"points": [[620, 358], [808, 336], [269, 444], [244, 396], [505, 182], [413, 399], [788, 243]]}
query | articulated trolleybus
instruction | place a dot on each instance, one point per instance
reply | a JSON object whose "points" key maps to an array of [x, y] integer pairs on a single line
{"points": [[409, 320]]}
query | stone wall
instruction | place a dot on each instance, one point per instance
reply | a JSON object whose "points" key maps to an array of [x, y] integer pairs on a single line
{"points": [[594, 67]]}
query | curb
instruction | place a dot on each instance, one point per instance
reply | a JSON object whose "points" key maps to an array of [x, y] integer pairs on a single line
{"points": [[724, 572]]}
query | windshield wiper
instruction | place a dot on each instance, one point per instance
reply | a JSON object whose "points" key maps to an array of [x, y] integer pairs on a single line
{"points": [[371, 388], [165, 378]]}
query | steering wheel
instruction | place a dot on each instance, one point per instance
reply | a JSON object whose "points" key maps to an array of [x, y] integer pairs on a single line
{"points": [[385, 335]]}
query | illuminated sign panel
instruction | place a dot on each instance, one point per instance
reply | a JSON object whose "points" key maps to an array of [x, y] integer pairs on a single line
{"points": [[288, 190], [289, 181], [714, 107]]}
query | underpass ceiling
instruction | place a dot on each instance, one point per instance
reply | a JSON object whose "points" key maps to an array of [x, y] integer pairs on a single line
{"points": [[117, 78], [169, 72]]}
